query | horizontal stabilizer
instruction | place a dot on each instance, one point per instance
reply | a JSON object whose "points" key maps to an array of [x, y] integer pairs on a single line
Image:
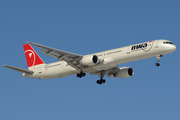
{"points": [[19, 69]]}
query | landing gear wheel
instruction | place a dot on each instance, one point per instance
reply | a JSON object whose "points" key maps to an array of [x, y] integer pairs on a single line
{"points": [[99, 82], [103, 80], [81, 74], [78, 75], [157, 64]]}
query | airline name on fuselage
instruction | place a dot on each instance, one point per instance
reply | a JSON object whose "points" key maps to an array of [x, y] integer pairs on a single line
{"points": [[140, 46]]}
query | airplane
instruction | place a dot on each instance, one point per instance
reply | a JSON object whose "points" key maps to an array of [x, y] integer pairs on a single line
{"points": [[101, 63]]}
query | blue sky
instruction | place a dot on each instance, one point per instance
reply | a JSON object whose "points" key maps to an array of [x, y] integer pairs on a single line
{"points": [[85, 27]]}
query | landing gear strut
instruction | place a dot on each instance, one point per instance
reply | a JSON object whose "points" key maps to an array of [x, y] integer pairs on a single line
{"points": [[81, 74], [101, 80], [158, 60]]}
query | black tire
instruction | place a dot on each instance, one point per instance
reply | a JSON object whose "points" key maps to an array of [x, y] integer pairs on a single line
{"points": [[98, 81], [79, 75], [84, 74], [157, 64], [103, 80]]}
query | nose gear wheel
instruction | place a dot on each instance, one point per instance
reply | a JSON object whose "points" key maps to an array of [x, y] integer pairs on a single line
{"points": [[158, 60]]}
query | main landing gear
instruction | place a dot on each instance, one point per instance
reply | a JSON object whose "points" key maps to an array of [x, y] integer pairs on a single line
{"points": [[101, 80], [158, 60], [81, 74]]}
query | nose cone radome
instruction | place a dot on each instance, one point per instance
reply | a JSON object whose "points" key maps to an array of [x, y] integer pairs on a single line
{"points": [[172, 48]]}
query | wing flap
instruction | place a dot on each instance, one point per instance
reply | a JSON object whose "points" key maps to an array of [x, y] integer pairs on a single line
{"points": [[55, 55], [19, 69]]}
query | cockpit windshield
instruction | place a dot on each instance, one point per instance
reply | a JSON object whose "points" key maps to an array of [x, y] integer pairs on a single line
{"points": [[167, 42]]}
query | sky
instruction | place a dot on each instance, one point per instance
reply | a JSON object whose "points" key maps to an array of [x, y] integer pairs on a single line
{"points": [[84, 27]]}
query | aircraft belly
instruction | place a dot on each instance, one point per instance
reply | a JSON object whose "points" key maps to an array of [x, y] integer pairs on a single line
{"points": [[101, 67]]}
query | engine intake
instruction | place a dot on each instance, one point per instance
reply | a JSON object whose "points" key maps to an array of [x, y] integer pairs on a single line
{"points": [[89, 60], [125, 72]]}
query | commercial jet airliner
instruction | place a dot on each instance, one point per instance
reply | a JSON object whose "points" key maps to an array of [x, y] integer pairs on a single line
{"points": [[101, 63]]}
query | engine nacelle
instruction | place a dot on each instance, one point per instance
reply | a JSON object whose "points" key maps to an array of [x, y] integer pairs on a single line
{"points": [[90, 60], [125, 72]]}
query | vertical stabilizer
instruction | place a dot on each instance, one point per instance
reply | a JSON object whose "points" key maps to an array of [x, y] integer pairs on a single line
{"points": [[32, 57]]}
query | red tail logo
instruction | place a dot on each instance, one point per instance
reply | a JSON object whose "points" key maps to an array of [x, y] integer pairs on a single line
{"points": [[31, 56]]}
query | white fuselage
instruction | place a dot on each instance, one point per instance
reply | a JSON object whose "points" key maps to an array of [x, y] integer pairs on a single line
{"points": [[110, 59]]}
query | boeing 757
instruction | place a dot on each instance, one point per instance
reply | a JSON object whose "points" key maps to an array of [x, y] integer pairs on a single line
{"points": [[101, 63]]}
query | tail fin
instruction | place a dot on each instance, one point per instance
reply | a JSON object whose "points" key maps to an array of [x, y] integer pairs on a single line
{"points": [[32, 57]]}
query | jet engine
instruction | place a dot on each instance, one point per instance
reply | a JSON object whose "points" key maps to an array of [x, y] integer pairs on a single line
{"points": [[90, 60], [125, 72]]}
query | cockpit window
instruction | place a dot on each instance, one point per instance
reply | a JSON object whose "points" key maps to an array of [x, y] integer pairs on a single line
{"points": [[168, 43]]}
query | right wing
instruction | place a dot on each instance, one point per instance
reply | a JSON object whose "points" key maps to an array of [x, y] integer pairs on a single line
{"points": [[19, 69], [71, 58]]}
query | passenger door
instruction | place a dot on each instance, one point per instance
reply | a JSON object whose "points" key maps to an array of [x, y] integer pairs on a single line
{"points": [[129, 50], [156, 44]]}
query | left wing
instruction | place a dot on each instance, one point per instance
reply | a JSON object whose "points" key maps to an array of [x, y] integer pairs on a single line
{"points": [[71, 58]]}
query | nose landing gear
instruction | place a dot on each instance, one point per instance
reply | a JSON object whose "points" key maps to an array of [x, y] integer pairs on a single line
{"points": [[158, 60], [157, 64]]}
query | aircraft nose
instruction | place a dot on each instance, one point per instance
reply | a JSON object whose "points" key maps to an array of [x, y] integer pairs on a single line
{"points": [[173, 48]]}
